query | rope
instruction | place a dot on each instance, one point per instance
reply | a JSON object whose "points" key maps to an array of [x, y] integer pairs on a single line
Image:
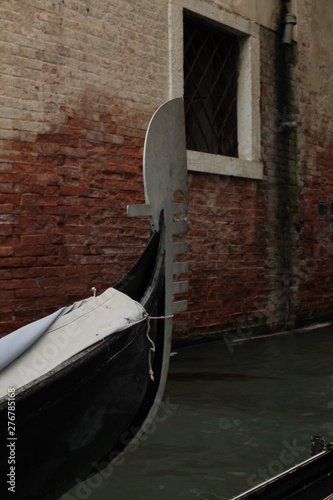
{"points": [[160, 317], [153, 348]]}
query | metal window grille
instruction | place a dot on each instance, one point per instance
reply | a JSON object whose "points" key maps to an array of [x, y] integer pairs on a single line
{"points": [[210, 88]]}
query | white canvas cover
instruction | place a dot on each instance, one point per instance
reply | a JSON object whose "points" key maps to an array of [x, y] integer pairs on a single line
{"points": [[34, 350]]}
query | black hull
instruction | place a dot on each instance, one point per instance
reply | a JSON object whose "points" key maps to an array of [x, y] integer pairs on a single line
{"points": [[76, 421], [310, 480]]}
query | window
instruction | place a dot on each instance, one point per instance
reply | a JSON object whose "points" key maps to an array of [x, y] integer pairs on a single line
{"points": [[210, 88], [214, 59]]}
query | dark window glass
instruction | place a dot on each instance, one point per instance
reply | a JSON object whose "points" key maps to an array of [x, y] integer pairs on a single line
{"points": [[210, 88]]}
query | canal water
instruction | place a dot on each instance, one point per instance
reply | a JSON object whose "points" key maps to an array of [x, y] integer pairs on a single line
{"points": [[233, 415]]}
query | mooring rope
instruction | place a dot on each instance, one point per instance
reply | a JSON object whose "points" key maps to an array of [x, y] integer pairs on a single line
{"points": [[153, 348]]}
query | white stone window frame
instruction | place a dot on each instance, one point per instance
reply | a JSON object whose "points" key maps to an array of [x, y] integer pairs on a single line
{"points": [[248, 163]]}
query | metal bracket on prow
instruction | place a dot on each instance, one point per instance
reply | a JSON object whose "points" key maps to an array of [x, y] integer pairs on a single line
{"points": [[165, 183]]}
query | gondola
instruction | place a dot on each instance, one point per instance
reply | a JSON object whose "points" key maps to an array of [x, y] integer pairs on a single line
{"points": [[312, 479], [67, 412]]}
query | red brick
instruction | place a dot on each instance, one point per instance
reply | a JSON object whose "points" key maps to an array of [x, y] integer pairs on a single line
{"points": [[48, 179], [33, 251], [5, 228], [5, 251], [6, 296], [30, 293]]}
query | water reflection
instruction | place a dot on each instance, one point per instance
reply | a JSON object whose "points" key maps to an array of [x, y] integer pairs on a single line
{"points": [[234, 420]]}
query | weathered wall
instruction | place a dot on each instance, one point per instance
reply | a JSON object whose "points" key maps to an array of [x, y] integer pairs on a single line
{"points": [[249, 228], [280, 153], [316, 158], [227, 252], [79, 81]]}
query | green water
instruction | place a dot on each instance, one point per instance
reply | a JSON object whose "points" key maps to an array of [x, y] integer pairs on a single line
{"points": [[233, 416]]}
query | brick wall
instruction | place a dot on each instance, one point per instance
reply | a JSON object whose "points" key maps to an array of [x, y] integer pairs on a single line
{"points": [[227, 254], [79, 82], [260, 260], [73, 114], [64, 227], [244, 234], [280, 153], [316, 159]]}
